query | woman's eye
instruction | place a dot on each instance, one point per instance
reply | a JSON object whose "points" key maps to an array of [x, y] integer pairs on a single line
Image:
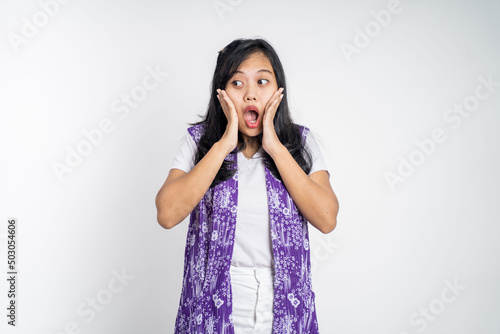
{"points": [[237, 83], [263, 81]]}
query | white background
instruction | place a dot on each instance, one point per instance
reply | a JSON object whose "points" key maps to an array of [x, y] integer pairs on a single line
{"points": [[385, 269]]}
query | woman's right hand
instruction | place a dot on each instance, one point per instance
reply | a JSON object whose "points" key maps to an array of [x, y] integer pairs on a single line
{"points": [[230, 136]]}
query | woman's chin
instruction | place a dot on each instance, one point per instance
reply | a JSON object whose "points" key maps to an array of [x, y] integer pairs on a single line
{"points": [[251, 133]]}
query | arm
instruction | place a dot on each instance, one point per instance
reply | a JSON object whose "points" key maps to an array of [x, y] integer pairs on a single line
{"points": [[182, 191], [312, 194]]}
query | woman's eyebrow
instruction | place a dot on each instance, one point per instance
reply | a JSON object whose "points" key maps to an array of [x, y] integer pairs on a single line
{"points": [[261, 70], [265, 70]]}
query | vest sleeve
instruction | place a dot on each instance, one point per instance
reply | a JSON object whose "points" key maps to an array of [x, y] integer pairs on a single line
{"points": [[184, 159], [318, 163]]}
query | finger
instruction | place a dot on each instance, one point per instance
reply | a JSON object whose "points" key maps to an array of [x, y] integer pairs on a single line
{"points": [[274, 107], [278, 93], [231, 109], [223, 104], [223, 98], [270, 114], [228, 107], [278, 101], [274, 104], [277, 96], [227, 99]]}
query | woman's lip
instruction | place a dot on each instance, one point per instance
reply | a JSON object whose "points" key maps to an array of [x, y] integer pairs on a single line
{"points": [[254, 108], [255, 124], [252, 125]]}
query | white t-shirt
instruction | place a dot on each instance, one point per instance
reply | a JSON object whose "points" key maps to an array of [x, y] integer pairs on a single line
{"points": [[252, 244]]}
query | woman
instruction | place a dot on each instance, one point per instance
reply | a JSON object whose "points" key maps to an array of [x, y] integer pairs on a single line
{"points": [[251, 180]]}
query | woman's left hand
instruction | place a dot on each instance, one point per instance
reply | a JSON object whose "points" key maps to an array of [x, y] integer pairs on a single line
{"points": [[270, 140]]}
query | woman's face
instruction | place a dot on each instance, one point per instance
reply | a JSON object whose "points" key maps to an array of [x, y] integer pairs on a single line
{"points": [[250, 88]]}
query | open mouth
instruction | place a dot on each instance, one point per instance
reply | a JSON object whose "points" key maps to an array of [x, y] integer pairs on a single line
{"points": [[251, 116]]}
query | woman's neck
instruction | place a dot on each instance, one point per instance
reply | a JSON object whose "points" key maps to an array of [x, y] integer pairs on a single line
{"points": [[252, 145]]}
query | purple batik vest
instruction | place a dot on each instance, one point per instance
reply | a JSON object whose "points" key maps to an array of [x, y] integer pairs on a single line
{"points": [[205, 305]]}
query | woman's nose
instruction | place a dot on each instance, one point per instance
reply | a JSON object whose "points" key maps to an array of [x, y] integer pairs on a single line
{"points": [[250, 95]]}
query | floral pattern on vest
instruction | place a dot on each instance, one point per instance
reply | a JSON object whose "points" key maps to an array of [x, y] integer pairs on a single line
{"points": [[206, 302]]}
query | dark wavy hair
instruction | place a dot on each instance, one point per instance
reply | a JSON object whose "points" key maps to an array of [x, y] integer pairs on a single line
{"points": [[228, 61]]}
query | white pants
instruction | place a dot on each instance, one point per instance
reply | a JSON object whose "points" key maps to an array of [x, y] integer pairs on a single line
{"points": [[253, 296]]}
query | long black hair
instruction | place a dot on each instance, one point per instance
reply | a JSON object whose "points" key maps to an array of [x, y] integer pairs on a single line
{"points": [[228, 61]]}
